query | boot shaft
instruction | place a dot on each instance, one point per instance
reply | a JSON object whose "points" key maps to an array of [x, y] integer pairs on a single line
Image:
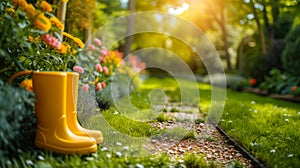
{"points": [[50, 92]]}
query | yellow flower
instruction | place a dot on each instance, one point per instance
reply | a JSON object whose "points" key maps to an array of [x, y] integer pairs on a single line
{"points": [[64, 0], [27, 84], [30, 39], [30, 10], [63, 49], [57, 23], [67, 35], [10, 10], [78, 42], [75, 39], [45, 6], [20, 3], [42, 22]]}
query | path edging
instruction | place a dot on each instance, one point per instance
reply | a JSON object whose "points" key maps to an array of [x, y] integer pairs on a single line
{"points": [[245, 153]]}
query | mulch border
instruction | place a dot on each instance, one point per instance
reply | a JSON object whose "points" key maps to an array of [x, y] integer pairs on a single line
{"points": [[244, 152], [286, 97]]}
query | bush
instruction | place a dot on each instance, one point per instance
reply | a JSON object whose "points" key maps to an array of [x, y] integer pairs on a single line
{"points": [[291, 53], [234, 82], [17, 118], [281, 83]]}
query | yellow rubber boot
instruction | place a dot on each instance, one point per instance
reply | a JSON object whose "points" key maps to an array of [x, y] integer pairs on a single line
{"points": [[72, 98], [53, 133]]}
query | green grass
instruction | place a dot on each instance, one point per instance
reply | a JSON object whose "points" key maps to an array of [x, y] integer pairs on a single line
{"points": [[266, 127]]}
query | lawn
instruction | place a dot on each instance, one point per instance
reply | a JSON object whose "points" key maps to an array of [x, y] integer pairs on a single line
{"points": [[266, 127]]}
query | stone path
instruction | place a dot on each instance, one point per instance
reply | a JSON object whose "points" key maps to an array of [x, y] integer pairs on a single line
{"points": [[206, 141]]}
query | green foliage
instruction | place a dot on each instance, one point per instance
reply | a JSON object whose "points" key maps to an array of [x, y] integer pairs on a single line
{"points": [[17, 120], [278, 82], [262, 125], [163, 118], [21, 46], [254, 62], [199, 120], [291, 53], [190, 135], [196, 161]]}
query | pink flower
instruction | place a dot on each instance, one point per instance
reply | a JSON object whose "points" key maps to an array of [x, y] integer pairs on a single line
{"points": [[99, 86], [99, 68], [85, 88], [91, 47], [78, 69], [103, 51], [103, 84], [51, 41], [143, 65], [97, 41], [105, 70]]}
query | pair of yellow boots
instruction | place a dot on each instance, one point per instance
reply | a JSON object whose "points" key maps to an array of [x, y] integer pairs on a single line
{"points": [[58, 129]]}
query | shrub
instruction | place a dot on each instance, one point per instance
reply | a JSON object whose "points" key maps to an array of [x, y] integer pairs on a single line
{"points": [[282, 83], [30, 40], [291, 53], [17, 119]]}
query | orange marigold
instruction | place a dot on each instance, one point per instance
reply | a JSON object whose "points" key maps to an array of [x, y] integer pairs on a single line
{"points": [[63, 49], [67, 35], [42, 22], [293, 88], [20, 3], [45, 6], [30, 10], [56, 22], [30, 39], [27, 84], [78, 42]]}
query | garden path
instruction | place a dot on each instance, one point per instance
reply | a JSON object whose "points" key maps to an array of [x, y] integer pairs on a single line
{"points": [[204, 138]]}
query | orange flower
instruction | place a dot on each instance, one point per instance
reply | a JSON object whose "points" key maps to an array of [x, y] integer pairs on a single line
{"points": [[42, 22], [45, 6], [20, 3], [57, 23], [78, 42], [63, 49], [27, 84], [293, 88], [30, 10], [30, 39]]}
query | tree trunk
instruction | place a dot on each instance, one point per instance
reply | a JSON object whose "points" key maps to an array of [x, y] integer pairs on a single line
{"points": [[61, 13], [260, 29], [88, 32], [130, 25], [225, 39], [240, 60]]}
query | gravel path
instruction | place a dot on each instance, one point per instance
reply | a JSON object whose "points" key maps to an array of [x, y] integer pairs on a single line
{"points": [[207, 141]]}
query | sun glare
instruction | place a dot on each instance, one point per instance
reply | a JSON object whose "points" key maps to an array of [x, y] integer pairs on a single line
{"points": [[179, 10]]}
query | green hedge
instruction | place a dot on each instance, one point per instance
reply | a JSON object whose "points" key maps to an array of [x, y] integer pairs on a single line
{"points": [[291, 53], [18, 122]]}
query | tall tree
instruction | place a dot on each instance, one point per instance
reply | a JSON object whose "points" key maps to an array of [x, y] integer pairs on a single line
{"points": [[130, 25]]}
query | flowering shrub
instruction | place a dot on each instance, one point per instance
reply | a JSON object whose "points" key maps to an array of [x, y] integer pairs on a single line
{"points": [[281, 83], [30, 39]]}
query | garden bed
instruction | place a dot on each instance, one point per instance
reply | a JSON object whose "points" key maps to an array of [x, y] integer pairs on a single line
{"points": [[287, 97]]}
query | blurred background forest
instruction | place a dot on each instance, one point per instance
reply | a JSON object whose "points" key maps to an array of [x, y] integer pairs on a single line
{"points": [[256, 39]]}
